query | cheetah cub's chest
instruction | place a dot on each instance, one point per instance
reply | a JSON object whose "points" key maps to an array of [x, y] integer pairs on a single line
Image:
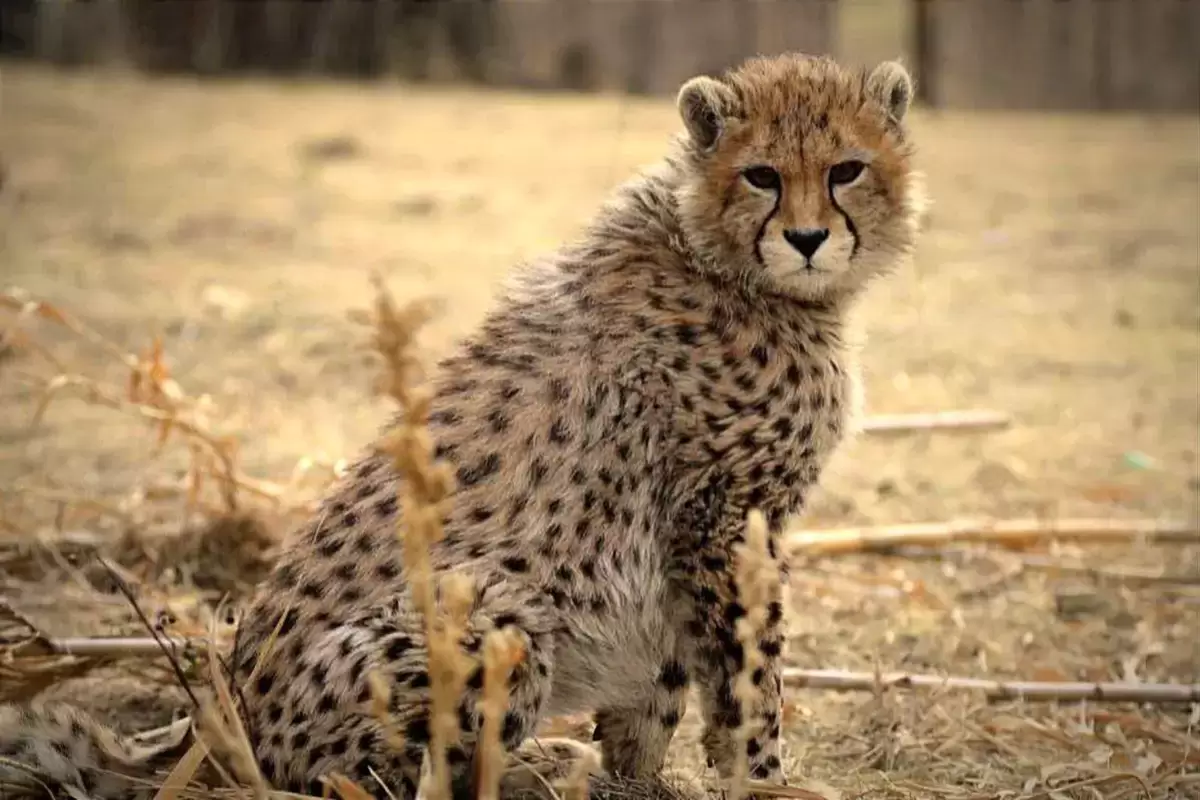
{"points": [[772, 423]]}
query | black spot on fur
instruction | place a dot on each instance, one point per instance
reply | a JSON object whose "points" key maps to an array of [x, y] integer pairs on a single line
{"points": [[515, 564], [289, 622], [486, 467], [673, 676], [386, 506], [513, 727], [265, 682], [558, 390], [417, 731], [502, 620], [397, 647]]}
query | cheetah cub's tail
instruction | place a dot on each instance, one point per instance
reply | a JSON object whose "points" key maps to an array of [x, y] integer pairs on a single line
{"points": [[51, 750]]}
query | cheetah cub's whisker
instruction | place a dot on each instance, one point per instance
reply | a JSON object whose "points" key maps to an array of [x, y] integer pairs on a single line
{"points": [[609, 425]]}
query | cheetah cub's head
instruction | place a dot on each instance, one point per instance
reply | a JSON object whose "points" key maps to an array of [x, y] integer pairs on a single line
{"points": [[798, 177]]}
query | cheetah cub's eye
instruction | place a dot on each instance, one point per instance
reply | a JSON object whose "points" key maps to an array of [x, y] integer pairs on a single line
{"points": [[764, 178], [846, 172]]}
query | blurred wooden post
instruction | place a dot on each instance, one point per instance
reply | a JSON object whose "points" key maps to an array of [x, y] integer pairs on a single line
{"points": [[51, 27], [576, 61], [279, 32], [326, 36], [384, 23], [111, 33], [924, 56], [209, 50], [643, 40]]}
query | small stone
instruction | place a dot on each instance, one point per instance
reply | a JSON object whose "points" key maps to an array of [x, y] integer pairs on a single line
{"points": [[1076, 602]]}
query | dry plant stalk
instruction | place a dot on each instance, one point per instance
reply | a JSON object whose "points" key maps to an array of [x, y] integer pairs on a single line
{"points": [[758, 585], [219, 726], [449, 668], [381, 697], [577, 784], [1017, 533], [348, 789], [424, 494], [503, 650]]}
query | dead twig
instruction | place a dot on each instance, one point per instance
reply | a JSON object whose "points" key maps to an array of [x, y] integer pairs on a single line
{"points": [[104, 647], [1016, 533], [1122, 574], [982, 419], [995, 690]]}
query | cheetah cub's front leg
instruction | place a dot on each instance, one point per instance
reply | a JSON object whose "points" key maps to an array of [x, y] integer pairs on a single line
{"points": [[717, 657], [634, 739]]}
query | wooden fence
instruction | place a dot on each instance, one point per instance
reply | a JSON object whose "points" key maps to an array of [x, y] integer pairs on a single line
{"points": [[1011, 54], [1141, 55], [639, 46]]}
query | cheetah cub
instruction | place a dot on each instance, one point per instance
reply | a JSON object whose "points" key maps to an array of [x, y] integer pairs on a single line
{"points": [[611, 422]]}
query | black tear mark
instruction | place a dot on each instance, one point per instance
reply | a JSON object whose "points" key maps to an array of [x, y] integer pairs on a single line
{"points": [[762, 229], [850, 226]]}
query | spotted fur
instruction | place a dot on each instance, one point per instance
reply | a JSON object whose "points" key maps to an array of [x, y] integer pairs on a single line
{"points": [[610, 423]]}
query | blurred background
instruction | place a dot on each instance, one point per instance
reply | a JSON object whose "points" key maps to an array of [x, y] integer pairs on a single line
{"points": [[224, 176], [1014, 54]]}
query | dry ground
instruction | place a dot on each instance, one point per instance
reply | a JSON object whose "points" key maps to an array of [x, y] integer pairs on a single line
{"points": [[1059, 280]]}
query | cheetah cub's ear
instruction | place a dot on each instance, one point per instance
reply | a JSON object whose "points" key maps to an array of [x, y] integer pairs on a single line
{"points": [[705, 103], [892, 86]]}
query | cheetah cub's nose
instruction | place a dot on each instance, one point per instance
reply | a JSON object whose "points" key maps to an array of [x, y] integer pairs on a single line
{"points": [[806, 240]]}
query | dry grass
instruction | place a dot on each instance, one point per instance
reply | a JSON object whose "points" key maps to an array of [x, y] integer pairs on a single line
{"points": [[1057, 282]]}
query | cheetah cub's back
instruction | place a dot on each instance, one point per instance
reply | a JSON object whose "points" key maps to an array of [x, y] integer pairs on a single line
{"points": [[610, 423]]}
